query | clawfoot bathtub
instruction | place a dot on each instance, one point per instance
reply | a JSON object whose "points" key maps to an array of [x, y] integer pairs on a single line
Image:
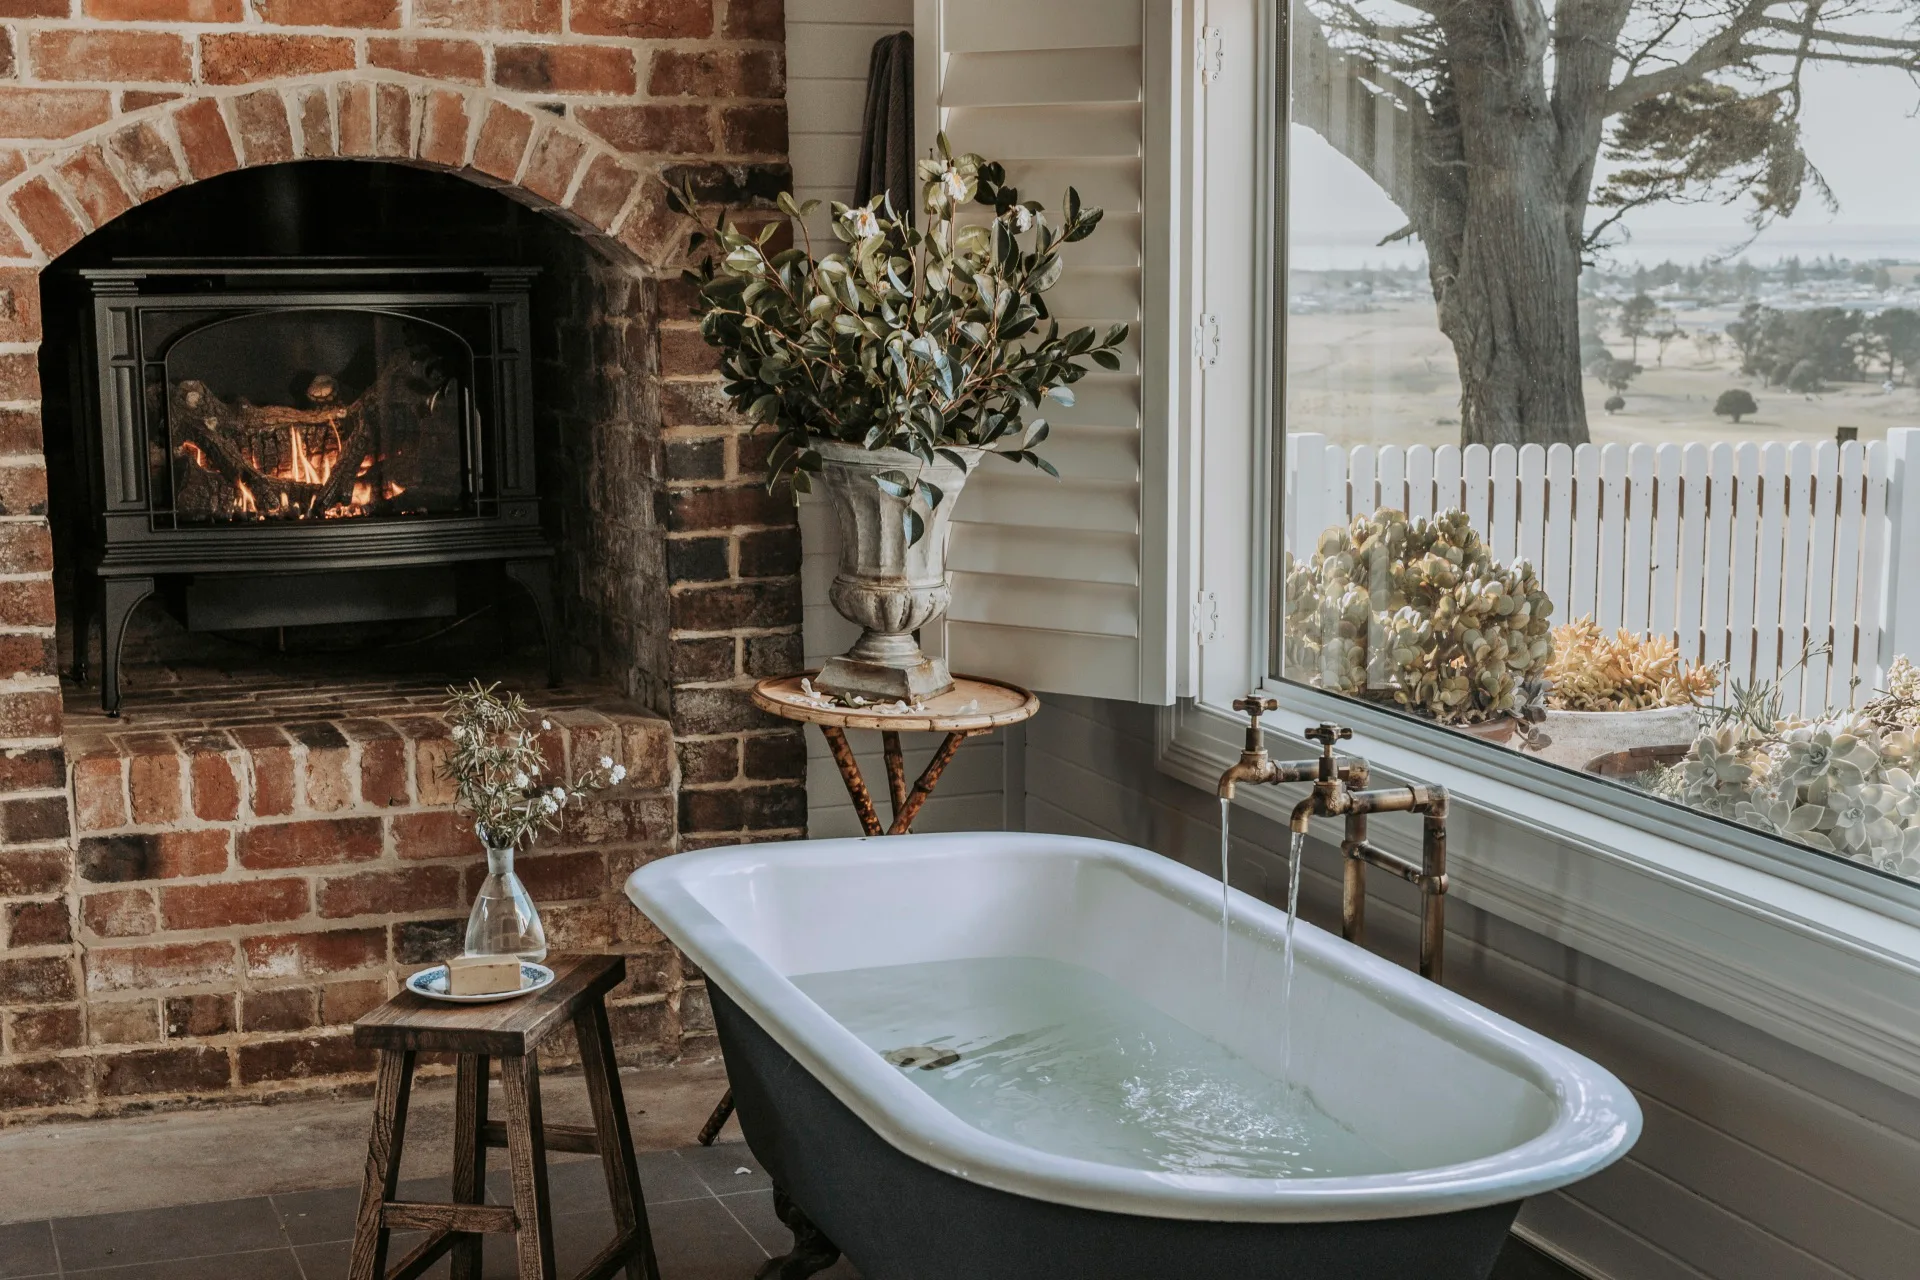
{"points": [[1440, 1117]]}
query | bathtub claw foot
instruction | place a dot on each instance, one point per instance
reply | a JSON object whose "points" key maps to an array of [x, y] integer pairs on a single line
{"points": [[812, 1252]]}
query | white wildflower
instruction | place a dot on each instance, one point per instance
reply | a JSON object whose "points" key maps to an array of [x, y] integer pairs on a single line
{"points": [[546, 724], [459, 733], [619, 774], [559, 795], [521, 780], [549, 804], [864, 223], [606, 762]]}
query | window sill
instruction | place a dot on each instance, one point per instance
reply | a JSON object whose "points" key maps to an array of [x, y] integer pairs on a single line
{"points": [[1823, 959]]}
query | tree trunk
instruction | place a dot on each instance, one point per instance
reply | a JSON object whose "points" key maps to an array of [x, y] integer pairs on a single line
{"points": [[1506, 275]]}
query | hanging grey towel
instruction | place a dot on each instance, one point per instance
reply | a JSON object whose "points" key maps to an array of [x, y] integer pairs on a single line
{"points": [[886, 129]]}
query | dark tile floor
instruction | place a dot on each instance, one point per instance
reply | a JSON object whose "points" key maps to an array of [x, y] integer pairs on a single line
{"points": [[710, 1207]]}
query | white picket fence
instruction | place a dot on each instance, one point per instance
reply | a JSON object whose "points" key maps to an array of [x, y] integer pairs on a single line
{"points": [[1747, 554]]}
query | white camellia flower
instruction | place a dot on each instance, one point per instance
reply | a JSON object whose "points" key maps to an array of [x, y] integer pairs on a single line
{"points": [[863, 222], [1022, 218], [955, 184]]}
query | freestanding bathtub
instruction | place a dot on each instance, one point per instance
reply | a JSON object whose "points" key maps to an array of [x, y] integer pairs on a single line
{"points": [[1473, 1112]]}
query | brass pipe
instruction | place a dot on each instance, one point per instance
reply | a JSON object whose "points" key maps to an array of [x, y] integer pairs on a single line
{"points": [[1353, 878], [1433, 903]]}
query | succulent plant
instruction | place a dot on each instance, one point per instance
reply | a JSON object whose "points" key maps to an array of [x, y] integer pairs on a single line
{"points": [[1592, 671], [1847, 783], [1419, 614]]}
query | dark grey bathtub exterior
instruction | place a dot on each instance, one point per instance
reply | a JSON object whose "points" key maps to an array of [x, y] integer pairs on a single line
{"points": [[899, 1219]]}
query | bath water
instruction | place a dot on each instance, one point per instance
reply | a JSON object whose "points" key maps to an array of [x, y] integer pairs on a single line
{"points": [[1059, 1058]]}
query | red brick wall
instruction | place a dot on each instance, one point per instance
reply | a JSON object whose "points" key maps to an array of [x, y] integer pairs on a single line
{"points": [[579, 107], [242, 894]]}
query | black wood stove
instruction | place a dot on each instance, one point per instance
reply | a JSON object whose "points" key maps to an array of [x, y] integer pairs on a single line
{"points": [[274, 443]]}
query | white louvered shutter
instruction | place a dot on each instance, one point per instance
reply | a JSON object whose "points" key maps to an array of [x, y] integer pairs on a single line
{"points": [[1066, 586]]}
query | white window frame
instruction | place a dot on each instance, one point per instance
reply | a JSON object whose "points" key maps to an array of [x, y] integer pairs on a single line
{"points": [[1822, 954]]}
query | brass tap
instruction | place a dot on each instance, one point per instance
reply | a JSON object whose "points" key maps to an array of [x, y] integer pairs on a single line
{"points": [[1340, 790]]}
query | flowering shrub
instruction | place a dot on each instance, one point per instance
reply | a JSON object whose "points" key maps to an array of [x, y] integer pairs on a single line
{"points": [[497, 770], [1846, 783], [1591, 671], [1419, 614]]}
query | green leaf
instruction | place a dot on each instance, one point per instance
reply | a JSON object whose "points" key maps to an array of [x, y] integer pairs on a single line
{"points": [[930, 493], [1062, 395], [916, 527], [895, 484], [1106, 359]]}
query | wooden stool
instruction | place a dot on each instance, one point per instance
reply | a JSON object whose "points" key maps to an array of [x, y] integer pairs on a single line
{"points": [[510, 1030]]}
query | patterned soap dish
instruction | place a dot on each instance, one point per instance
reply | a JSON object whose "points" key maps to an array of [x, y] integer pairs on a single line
{"points": [[432, 983]]}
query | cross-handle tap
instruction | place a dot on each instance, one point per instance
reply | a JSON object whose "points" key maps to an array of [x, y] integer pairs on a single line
{"points": [[1254, 765], [1326, 735]]}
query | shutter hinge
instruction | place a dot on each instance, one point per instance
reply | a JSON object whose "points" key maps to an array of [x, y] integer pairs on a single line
{"points": [[1206, 340], [1206, 617], [1209, 54]]}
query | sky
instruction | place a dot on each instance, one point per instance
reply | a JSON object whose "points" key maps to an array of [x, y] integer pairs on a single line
{"points": [[1860, 128]]}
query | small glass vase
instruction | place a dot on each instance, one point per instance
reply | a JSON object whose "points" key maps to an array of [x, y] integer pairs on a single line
{"points": [[504, 921]]}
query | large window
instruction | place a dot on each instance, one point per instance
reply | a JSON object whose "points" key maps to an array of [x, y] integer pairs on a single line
{"points": [[1602, 346]]}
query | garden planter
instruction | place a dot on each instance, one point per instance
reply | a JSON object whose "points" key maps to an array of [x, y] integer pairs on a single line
{"points": [[889, 587], [1500, 730], [1577, 737]]}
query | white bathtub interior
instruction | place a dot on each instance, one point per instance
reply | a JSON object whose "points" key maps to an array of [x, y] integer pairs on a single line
{"points": [[1412, 1080]]}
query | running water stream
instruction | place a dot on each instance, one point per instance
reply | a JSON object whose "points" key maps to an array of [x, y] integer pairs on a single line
{"points": [[1294, 860]]}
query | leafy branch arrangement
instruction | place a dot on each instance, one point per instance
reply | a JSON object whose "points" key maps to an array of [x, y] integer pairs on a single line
{"points": [[933, 341], [496, 768]]}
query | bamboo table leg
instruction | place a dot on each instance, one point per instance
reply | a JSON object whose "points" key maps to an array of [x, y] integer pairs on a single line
{"points": [[850, 774], [896, 771], [905, 813]]}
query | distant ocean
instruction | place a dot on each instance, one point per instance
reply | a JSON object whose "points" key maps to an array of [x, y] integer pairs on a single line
{"points": [[1314, 250]]}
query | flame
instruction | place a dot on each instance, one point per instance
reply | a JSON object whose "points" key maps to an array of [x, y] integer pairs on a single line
{"points": [[304, 454]]}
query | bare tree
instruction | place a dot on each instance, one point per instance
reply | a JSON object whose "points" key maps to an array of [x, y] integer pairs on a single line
{"points": [[1485, 121]]}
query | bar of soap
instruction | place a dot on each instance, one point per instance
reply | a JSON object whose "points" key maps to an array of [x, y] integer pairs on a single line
{"points": [[482, 975]]}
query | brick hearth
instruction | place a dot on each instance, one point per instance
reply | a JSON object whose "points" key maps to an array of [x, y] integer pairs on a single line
{"points": [[259, 865], [192, 903]]}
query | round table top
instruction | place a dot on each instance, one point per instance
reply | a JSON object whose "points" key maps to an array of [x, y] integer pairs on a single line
{"points": [[973, 705]]}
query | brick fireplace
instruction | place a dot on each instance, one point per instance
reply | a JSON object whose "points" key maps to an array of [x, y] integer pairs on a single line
{"points": [[196, 899]]}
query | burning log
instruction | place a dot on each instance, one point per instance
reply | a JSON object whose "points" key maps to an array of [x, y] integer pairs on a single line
{"points": [[234, 459]]}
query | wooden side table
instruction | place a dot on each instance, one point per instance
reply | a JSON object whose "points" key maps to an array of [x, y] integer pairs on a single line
{"points": [[509, 1030], [973, 706]]}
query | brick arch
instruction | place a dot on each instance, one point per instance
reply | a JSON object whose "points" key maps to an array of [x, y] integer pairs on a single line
{"points": [[491, 137]]}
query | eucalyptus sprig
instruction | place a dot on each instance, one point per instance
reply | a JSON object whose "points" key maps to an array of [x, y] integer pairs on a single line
{"points": [[496, 768], [926, 340]]}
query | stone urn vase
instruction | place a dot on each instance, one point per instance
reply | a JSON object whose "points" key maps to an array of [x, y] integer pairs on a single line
{"points": [[890, 588]]}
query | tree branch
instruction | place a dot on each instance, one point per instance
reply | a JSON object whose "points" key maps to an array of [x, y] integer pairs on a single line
{"points": [[1726, 47]]}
